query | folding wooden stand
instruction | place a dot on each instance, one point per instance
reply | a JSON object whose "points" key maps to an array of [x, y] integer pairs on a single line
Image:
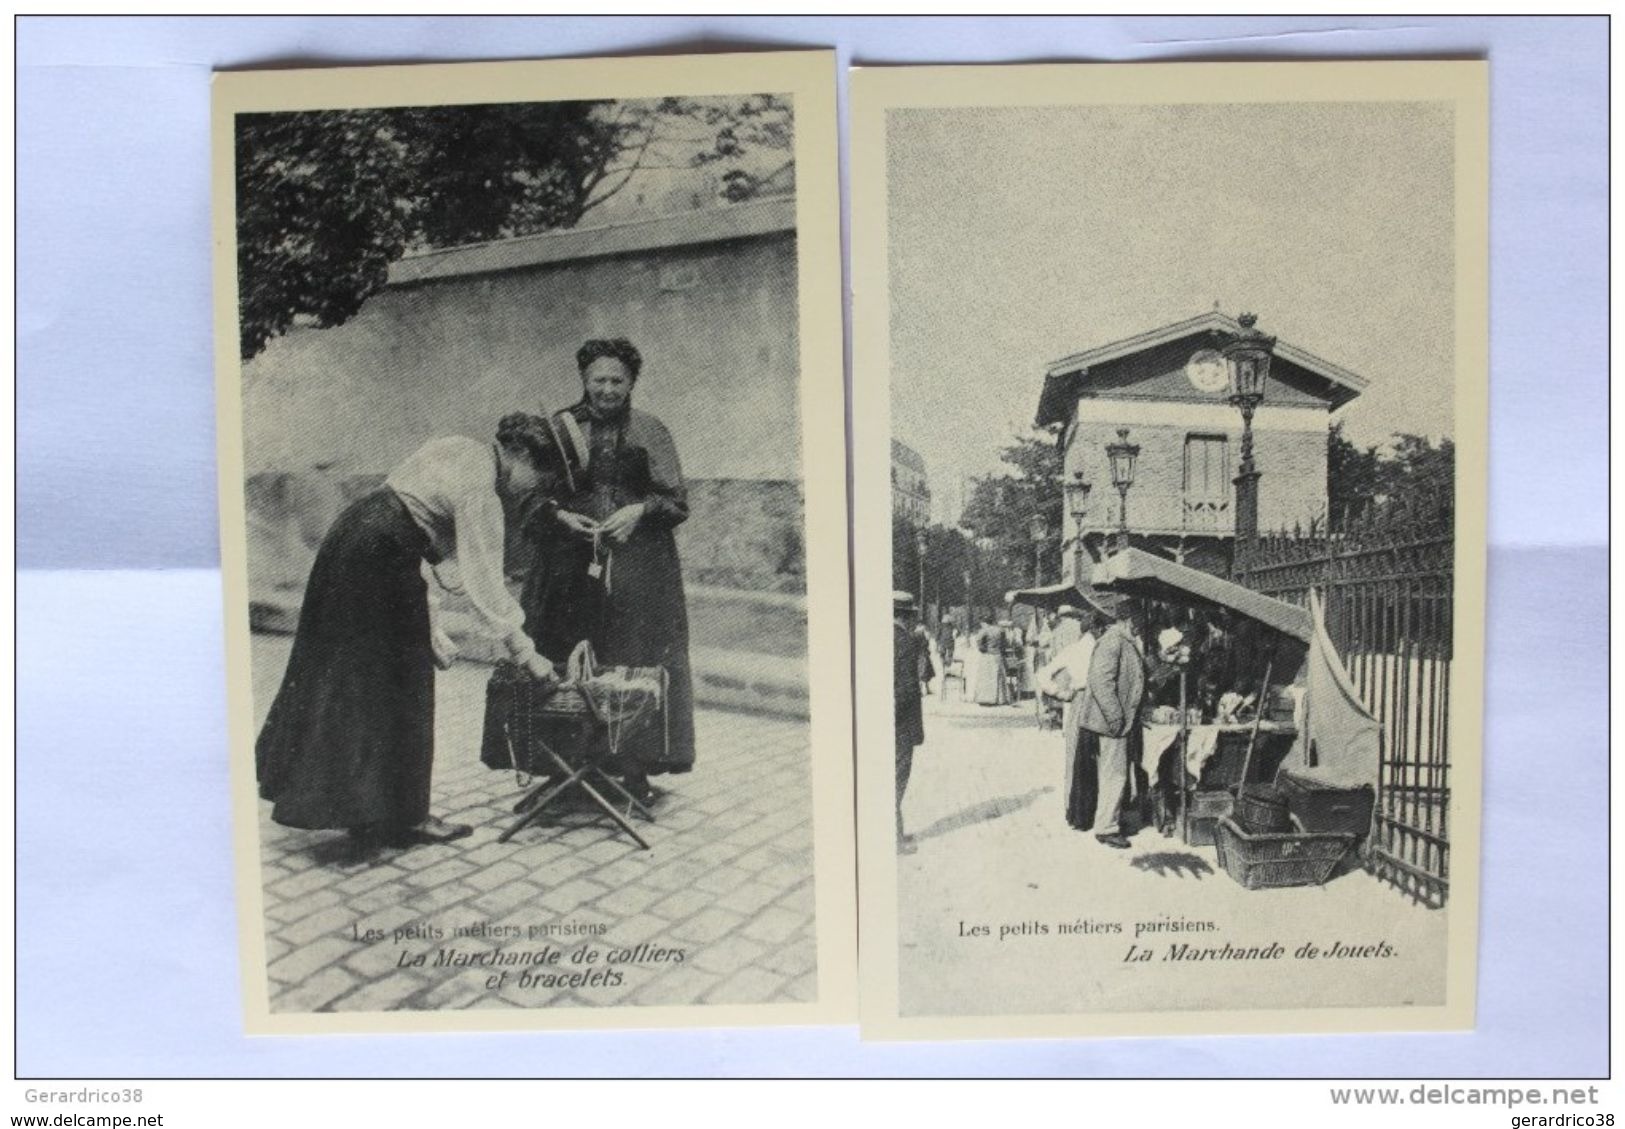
{"points": [[583, 774], [585, 769]]}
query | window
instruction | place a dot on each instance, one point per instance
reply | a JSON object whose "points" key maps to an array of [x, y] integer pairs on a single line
{"points": [[1207, 467]]}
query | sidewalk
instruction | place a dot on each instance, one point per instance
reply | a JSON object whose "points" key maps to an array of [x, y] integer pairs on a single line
{"points": [[729, 882], [986, 806]]}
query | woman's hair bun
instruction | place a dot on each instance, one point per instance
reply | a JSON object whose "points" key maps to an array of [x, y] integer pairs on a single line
{"points": [[528, 432]]}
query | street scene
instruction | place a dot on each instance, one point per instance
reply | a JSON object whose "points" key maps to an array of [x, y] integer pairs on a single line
{"points": [[988, 785], [1173, 573], [526, 594], [729, 878]]}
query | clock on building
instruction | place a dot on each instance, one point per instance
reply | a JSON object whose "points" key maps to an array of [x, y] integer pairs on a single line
{"points": [[1207, 371]]}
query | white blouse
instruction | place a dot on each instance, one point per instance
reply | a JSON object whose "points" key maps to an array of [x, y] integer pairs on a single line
{"points": [[449, 487]]}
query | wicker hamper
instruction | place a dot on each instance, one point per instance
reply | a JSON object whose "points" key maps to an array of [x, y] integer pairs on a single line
{"points": [[1206, 809], [560, 716], [1272, 861]]}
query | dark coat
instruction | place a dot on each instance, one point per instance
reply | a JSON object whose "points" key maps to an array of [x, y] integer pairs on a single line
{"points": [[635, 611], [911, 666]]}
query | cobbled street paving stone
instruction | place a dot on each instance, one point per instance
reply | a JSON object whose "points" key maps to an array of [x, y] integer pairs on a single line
{"points": [[728, 882]]}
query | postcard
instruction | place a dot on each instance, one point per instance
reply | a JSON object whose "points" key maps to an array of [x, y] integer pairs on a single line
{"points": [[530, 377], [1170, 416]]}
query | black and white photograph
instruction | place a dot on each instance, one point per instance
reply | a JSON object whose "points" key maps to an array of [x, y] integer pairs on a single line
{"points": [[1185, 388], [527, 564]]}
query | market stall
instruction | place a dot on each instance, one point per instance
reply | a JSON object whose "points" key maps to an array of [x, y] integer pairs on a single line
{"points": [[1049, 599], [1229, 746]]}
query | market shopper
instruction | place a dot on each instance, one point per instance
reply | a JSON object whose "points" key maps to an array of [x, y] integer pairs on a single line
{"points": [[1066, 679], [349, 740], [992, 685], [1111, 710]]}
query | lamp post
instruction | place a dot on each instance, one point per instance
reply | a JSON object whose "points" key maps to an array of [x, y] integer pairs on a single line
{"points": [[1247, 359], [1038, 530], [1077, 504], [970, 612], [919, 555], [1122, 455]]}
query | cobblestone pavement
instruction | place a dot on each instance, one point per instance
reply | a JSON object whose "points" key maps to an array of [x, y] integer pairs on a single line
{"points": [[993, 850], [729, 882]]}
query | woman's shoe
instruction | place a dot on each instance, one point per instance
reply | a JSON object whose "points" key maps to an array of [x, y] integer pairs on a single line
{"points": [[433, 830], [639, 788]]}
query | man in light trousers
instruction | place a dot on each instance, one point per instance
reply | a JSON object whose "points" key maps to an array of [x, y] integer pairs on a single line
{"points": [[1111, 709]]}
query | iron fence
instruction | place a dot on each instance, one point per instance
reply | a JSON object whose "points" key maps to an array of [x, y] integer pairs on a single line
{"points": [[1386, 582]]}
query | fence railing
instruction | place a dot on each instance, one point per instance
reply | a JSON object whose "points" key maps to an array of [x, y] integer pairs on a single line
{"points": [[1386, 582]]}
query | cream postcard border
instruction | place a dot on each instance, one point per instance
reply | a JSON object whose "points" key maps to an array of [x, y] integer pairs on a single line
{"points": [[809, 76], [876, 90]]}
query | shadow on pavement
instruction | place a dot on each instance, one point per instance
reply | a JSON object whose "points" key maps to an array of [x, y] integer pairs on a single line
{"points": [[988, 720], [343, 853], [983, 812], [1173, 864]]}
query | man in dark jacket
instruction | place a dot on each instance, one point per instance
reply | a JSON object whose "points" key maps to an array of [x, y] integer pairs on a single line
{"points": [[1111, 709], [911, 668]]}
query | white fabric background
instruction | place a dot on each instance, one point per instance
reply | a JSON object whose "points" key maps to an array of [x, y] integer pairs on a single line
{"points": [[127, 959]]}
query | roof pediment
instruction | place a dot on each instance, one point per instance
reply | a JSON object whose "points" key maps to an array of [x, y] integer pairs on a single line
{"points": [[1102, 368]]}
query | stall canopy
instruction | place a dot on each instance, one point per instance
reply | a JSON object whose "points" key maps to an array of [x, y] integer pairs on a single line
{"points": [[1136, 572], [1052, 597]]}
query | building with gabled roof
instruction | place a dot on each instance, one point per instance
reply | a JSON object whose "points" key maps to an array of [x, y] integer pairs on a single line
{"points": [[1168, 387]]}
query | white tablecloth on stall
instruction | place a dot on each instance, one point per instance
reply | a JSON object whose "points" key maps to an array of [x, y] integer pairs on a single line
{"points": [[1204, 743]]}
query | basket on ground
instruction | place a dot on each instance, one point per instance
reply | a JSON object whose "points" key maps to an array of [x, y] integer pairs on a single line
{"points": [[1275, 860]]}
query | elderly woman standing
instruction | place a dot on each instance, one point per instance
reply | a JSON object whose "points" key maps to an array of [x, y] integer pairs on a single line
{"points": [[607, 568], [349, 740]]}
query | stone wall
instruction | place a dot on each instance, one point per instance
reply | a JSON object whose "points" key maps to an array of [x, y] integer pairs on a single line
{"points": [[464, 337], [716, 324], [742, 567]]}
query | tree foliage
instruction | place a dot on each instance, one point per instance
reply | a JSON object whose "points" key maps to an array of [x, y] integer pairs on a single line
{"points": [[1360, 478], [957, 570], [327, 200], [1001, 506]]}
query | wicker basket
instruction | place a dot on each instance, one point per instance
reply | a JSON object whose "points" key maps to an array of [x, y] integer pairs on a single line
{"points": [[1206, 809], [531, 717], [1261, 810], [1273, 861]]}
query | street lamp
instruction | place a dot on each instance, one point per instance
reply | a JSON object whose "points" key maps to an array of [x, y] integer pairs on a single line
{"points": [[1122, 455], [1247, 357], [1038, 530], [919, 554], [1077, 504]]}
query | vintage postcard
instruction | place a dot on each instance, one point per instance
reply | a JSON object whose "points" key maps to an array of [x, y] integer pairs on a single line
{"points": [[530, 380], [1180, 376]]}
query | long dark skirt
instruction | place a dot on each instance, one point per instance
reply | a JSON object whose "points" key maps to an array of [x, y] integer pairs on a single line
{"points": [[640, 619], [349, 740], [1082, 777]]}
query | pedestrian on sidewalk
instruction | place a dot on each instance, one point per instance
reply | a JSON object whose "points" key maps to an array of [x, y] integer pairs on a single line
{"points": [[992, 686], [1111, 710], [911, 670]]}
